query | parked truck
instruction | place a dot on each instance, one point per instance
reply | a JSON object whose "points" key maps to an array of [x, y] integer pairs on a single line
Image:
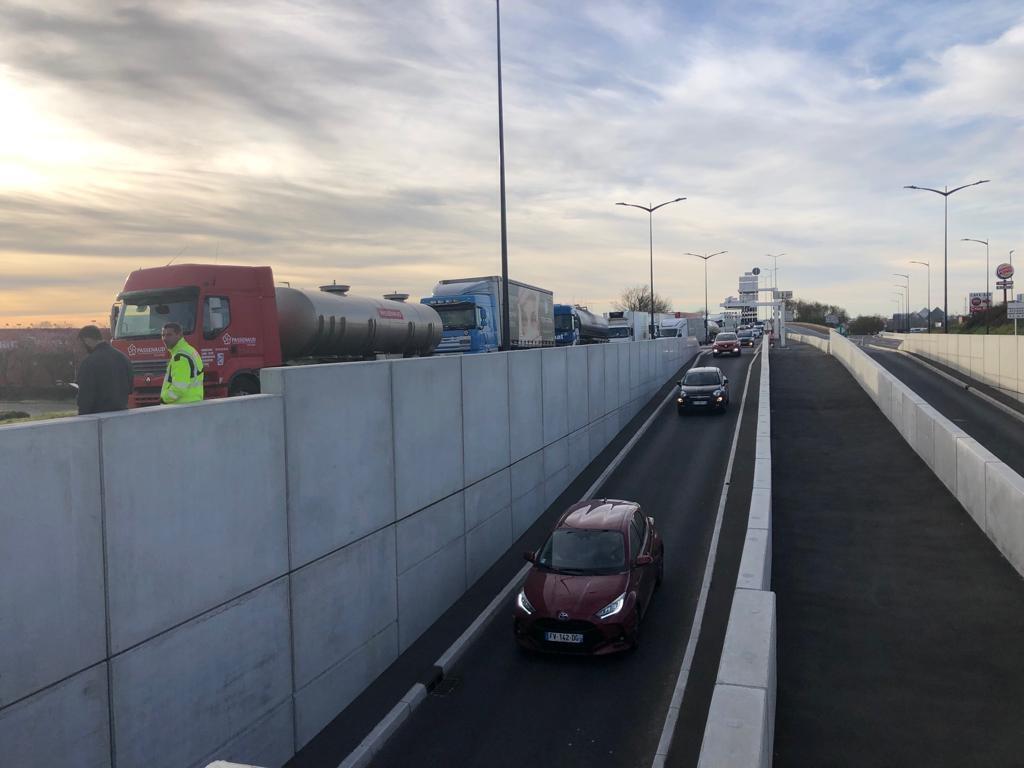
{"points": [[678, 327], [576, 325], [619, 328], [470, 310], [241, 323]]}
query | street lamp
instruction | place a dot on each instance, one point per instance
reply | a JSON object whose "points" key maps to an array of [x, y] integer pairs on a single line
{"points": [[945, 241], [705, 257], [903, 299], [988, 292], [506, 342], [650, 231], [896, 317], [929, 292], [907, 278], [775, 271]]}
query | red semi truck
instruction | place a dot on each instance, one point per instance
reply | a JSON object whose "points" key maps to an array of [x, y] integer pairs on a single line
{"points": [[241, 323]]}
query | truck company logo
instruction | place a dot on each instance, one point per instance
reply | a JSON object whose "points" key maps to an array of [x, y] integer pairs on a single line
{"points": [[390, 314], [249, 341], [134, 350]]}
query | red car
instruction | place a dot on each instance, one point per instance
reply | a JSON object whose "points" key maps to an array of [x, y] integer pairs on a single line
{"points": [[591, 581], [726, 344]]}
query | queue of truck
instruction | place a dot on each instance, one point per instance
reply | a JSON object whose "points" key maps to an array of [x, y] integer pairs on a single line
{"points": [[240, 321]]}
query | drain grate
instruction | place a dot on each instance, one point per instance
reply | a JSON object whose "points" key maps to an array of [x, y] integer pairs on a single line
{"points": [[446, 686]]}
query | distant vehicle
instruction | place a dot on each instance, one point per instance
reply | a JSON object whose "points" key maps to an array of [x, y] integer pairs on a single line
{"points": [[726, 343], [240, 323], [703, 389], [470, 309], [680, 328], [746, 337], [758, 331], [575, 325], [591, 581], [619, 328], [919, 330]]}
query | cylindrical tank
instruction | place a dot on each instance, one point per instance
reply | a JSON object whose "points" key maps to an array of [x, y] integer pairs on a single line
{"points": [[592, 327], [328, 323]]}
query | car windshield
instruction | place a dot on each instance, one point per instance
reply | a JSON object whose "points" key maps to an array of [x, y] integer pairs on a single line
{"points": [[141, 314], [726, 337], [571, 550], [745, 334], [618, 333], [700, 378], [457, 318], [563, 322]]}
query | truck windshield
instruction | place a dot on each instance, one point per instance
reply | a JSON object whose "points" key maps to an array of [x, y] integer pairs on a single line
{"points": [[618, 333], [563, 322], [669, 333], [458, 318], [583, 551], [141, 314]]}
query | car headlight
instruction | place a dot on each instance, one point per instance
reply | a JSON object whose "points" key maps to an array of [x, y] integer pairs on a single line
{"points": [[717, 393], [523, 603], [613, 607]]}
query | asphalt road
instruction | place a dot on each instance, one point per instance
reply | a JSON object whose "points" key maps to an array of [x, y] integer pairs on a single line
{"points": [[900, 626], [503, 707], [993, 428]]}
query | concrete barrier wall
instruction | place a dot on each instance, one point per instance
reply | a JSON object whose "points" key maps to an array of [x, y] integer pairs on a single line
{"points": [[740, 729], [990, 492], [218, 581], [994, 360]]}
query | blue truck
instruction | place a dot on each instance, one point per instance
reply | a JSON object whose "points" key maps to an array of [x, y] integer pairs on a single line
{"points": [[576, 325], [470, 310]]}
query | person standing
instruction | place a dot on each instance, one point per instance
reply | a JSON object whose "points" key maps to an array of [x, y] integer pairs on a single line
{"points": [[183, 382], [104, 377]]}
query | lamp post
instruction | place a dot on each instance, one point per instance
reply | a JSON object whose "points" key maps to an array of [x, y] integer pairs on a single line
{"points": [[946, 192], [988, 292], [506, 342], [903, 300], [650, 232], [706, 258], [902, 304], [929, 291], [775, 271], [896, 317], [907, 278]]}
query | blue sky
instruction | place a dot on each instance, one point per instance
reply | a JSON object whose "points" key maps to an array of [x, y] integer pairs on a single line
{"points": [[357, 142]]}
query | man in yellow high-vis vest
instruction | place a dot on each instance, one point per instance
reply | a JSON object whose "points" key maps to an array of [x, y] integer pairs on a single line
{"points": [[183, 382]]}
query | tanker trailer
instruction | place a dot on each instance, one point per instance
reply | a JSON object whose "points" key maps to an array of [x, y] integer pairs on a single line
{"points": [[576, 325], [240, 323]]}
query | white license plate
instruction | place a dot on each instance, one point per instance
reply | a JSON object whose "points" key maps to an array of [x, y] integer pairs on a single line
{"points": [[563, 637], [698, 403]]}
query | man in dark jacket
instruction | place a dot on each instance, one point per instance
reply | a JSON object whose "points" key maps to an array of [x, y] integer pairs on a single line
{"points": [[104, 377]]}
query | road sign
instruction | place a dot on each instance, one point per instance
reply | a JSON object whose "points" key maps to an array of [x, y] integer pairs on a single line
{"points": [[756, 270], [783, 294], [1004, 271], [1015, 310], [831, 320], [1004, 285]]}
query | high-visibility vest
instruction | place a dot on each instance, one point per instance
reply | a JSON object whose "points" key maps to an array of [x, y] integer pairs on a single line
{"points": [[183, 382]]}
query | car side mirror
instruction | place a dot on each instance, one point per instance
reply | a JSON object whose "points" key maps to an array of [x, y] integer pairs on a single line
{"points": [[725, 379], [679, 383], [644, 560], [650, 521], [530, 557]]}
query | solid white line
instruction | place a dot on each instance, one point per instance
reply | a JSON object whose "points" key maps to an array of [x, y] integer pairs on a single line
{"points": [[672, 716]]}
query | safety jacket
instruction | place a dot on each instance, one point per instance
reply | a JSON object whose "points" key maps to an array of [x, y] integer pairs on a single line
{"points": [[183, 382]]}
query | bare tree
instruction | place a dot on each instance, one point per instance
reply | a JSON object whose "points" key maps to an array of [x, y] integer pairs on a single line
{"points": [[638, 299]]}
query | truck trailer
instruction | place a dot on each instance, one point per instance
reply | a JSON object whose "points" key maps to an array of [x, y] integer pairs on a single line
{"points": [[470, 310], [240, 323], [576, 325]]}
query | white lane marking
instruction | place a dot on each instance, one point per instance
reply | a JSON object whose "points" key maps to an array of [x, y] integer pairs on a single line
{"points": [[456, 649], [672, 716]]}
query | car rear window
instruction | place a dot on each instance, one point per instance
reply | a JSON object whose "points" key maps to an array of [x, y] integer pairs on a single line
{"points": [[573, 550]]}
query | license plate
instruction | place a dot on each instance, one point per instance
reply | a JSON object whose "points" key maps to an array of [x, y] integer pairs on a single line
{"points": [[695, 402], [563, 637]]}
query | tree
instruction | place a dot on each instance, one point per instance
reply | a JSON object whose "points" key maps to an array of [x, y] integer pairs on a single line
{"points": [[638, 299], [866, 325], [815, 312]]}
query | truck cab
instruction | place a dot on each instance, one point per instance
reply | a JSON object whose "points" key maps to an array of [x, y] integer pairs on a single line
{"points": [[227, 313], [567, 326], [469, 322]]}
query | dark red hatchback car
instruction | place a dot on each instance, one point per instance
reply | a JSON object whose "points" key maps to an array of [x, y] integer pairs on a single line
{"points": [[591, 581]]}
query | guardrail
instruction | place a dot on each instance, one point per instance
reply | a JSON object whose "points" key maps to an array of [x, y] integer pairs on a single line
{"points": [[814, 341], [740, 729], [990, 491]]}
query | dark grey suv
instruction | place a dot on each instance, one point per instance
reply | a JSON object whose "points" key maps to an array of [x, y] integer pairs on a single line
{"points": [[703, 389]]}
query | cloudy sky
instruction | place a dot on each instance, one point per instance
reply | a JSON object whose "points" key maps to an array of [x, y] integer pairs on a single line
{"points": [[357, 142]]}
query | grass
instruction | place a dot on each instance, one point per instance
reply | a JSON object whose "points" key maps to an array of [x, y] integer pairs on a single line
{"points": [[41, 417]]}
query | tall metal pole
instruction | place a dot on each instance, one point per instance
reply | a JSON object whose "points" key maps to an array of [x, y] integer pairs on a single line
{"points": [[650, 231], [946, 192], [929, 267], [506, 342], [706, 257], [907, 278], [650, 235], [988, 290]]}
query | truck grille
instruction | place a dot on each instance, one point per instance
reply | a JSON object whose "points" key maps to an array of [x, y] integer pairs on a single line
{"points": [[149, 368], [454, 344]]}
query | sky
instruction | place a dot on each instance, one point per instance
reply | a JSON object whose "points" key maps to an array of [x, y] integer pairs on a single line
{"points": [[357, 142]]}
